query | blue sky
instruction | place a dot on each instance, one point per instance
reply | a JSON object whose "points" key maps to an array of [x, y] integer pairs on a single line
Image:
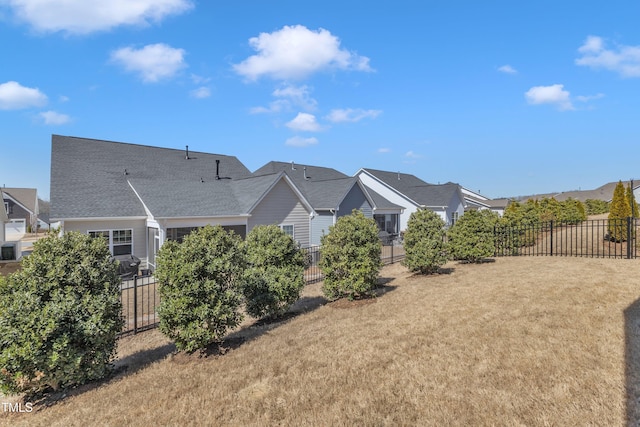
{"points": [[508, 98]]}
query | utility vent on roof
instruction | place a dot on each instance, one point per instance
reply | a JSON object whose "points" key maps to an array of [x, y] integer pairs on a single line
{"points": [[186, 155]]}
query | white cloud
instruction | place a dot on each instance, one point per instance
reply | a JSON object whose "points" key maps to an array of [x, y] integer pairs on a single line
{"points": [[295, 52], [63, 98], [587, 98], [14, 96], [384, 150], [351, 115], [201, 92], [84, 16], [153, 62], [53, 118], [200, 80], [554, 94], [304, 122], [274, 107], [298, 141], [411, 155], [508, 69], [624, 60], [298, 95]]}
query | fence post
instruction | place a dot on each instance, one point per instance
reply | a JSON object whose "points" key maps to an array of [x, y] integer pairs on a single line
{"points": [[135, 304], [391, 252], [551, 229], [629, 237]]}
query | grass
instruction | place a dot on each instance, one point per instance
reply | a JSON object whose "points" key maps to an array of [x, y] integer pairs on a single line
{"points": [[520, 341]]}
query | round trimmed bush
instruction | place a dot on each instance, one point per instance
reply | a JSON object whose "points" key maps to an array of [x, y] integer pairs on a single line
{"points": [[59, 315], [472, 237], [350, 257], [424, 246], [275, 271], [200, 287]]}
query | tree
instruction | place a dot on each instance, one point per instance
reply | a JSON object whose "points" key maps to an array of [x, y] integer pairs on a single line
{"points": [[59, 315], [350, 257], [595, 207], [424, 245], [200, 287], [472, 236], [275, 271], [618, 213]]}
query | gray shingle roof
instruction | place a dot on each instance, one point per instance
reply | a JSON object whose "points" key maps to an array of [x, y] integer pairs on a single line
{"points": [[416, 189], [88, 176], [324, 188], [180, 199], [297, 172], [27, 197], [3, 212]]}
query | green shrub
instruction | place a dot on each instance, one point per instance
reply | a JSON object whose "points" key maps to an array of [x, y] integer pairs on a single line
{"points": [[472, 237], [350, 258], [59, 315], [596, 207], [618, 214], [200, 287], [572, 211], [275, 271], [424, 245]]}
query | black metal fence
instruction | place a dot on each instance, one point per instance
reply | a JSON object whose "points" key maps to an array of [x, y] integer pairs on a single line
{"points": [[140, 299], [391, 253], [602, 238]]}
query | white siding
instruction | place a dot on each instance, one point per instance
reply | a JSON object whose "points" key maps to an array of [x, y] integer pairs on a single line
{"points": [[392, 196], [138, 226], [282, 206]]}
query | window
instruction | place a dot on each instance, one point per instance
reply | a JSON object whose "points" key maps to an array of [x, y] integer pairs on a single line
{"points": [[120, 241], [454, 217], [288, 229], [6, 207]]}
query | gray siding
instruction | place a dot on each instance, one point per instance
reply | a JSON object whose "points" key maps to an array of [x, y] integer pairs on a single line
{"points": [[320, 225], [355, 199], [138, 226], [282, 206]]}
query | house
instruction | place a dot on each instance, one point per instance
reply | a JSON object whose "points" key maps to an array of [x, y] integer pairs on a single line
{"points": [[21, 205], [333, 194], [4, 218], [138, 197], [413, 193], [475, 200]]}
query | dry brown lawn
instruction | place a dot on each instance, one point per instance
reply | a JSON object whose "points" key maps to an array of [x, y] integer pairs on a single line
{"points": [[520, 341]]}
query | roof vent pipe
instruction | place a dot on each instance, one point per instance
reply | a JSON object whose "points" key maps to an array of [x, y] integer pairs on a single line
{"points": [[305, 173], [186, 156], [292, 166], [398, 175], [217, 169]]}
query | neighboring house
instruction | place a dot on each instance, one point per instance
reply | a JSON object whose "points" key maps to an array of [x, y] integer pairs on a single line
{"points": [[137, 196], [333, 194], [498, 205], [21, 205], [475, 200], [413, 193], [4, 218]]}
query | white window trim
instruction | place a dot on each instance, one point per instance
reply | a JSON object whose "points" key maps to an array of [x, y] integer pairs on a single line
{"points": [[6, 207], [293, 229], [111, 245]]}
